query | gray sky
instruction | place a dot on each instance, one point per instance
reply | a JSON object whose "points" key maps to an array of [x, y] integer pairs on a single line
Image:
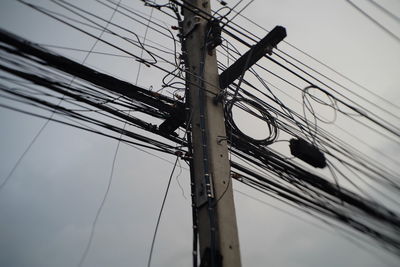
{"points": [[47, 207]]}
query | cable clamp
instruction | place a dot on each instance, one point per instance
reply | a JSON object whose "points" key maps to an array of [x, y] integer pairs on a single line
{"points": [[214, 34], [219, 97], [221, 138]]}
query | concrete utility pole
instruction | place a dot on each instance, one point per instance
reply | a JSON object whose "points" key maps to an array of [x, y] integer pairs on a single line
{"points": [[218, 236]]}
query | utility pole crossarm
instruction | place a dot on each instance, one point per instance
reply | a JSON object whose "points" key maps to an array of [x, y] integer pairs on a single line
{"points": [[264, 46]]}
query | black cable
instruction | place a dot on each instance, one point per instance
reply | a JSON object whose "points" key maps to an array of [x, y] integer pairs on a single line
{"points": [[237, 13], [18, 162], [293, 176], [329, 87], [316, 60], [235, 37], [93, 36], [106, 42], [109, 31], [385, 10], [356, 110], [232, 127], [100, 208], [303, 209], [272, 99], [93, 227], [84, 128], [187, 132], [397, 38], [160, 213], [340, 85]]}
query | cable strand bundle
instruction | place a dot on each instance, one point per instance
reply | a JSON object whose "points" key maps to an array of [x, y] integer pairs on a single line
{"points": [[244, 103]]}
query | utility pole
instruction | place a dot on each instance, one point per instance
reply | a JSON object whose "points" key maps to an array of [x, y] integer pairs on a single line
{"points": [[217, 227]]}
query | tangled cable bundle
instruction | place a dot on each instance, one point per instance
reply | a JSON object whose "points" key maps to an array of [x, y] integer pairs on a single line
{"points": [[307, 96], [232, 128], [35, 78]]}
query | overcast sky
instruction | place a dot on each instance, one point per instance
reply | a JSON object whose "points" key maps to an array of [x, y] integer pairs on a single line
{"points": [[48, 205]]}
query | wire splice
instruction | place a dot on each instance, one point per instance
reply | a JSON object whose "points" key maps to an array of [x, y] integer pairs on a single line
{"points": [[307, 153]]}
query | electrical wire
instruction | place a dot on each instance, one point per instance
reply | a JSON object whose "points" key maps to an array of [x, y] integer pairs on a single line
{"points": [[31, 143], [99, 210], [290, 180], [385, 10], [397, 38], [160, 213]]}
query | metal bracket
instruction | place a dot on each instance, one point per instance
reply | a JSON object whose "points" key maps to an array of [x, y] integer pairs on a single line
{"points": [[191, 25], [204, 191], [201, 194]]}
